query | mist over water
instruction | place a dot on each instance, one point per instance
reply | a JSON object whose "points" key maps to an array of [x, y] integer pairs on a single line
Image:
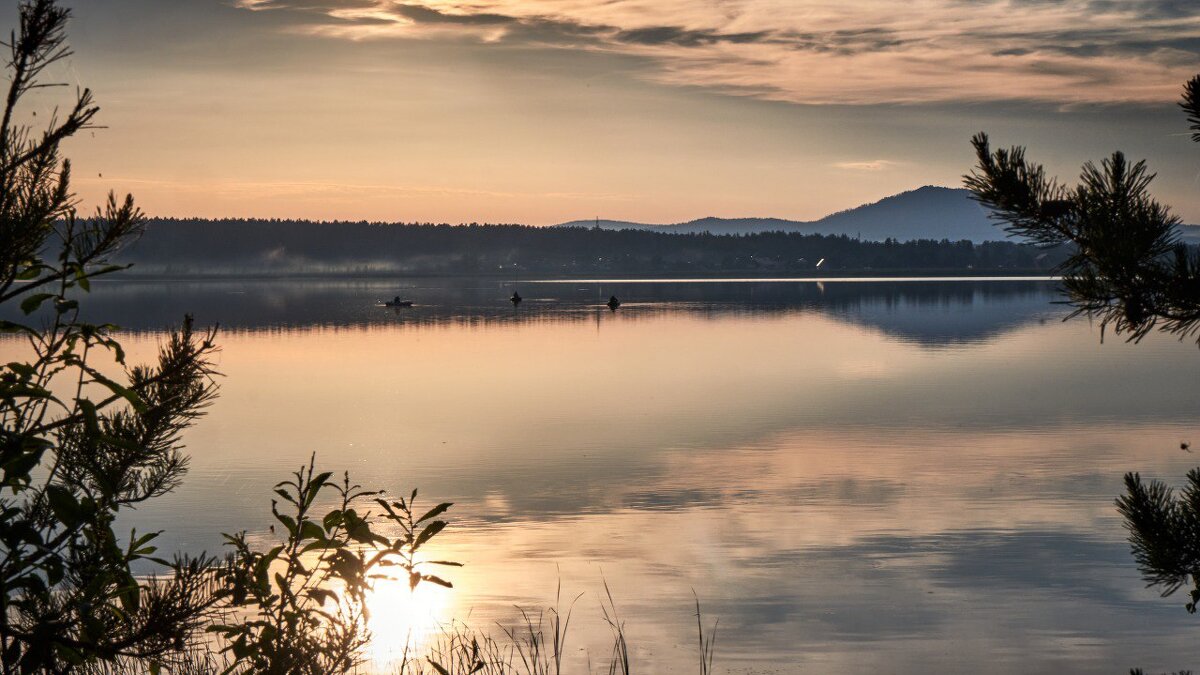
{"points": [[899, 477]]}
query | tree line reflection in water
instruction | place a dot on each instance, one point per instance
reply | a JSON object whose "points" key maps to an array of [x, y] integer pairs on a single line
{"points": [[932, 312]]}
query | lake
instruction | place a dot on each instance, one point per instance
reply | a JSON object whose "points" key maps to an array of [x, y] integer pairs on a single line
{"points": [[851, 475]]}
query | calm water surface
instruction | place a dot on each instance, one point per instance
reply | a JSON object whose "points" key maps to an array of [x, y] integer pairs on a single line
{"points": [[895, 477]]}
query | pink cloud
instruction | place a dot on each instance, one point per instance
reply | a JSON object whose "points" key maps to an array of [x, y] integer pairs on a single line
{"points": [[821, 52]]}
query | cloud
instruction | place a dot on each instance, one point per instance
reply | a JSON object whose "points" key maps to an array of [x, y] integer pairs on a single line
{"points": [[683, 37], [821, 51], [870, 165]]}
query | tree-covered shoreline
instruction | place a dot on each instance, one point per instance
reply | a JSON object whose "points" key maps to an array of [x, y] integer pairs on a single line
{"points": [[235, 247]]}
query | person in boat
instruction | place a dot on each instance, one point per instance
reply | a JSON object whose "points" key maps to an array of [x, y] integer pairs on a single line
{"points": [[516, 298], [396, 300], [613, 302]]}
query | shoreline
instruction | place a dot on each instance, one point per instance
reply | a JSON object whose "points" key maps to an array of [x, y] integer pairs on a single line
{"points": [[856, 275]]}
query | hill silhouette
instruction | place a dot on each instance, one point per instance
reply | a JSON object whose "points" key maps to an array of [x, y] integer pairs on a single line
{"points": [[928, 212]]}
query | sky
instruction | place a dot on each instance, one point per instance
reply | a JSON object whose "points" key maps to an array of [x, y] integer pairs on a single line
{"points": [[542, 111]]}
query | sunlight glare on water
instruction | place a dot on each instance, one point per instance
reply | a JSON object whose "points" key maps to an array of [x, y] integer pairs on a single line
{"points": [[403, 621]]}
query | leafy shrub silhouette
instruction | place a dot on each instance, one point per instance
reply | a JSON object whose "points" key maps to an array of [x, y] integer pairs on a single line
{"points": [[302, 602]]}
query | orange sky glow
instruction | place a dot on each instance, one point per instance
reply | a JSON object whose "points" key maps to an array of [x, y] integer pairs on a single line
{"points": [[541, 112]]}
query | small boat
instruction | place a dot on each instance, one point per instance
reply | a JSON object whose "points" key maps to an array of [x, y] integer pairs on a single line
{"points": [[613, 303], [397, 302], [516, 298]]}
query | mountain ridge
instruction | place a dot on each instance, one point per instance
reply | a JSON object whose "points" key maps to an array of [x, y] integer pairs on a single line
{"points": [[927, 212]]}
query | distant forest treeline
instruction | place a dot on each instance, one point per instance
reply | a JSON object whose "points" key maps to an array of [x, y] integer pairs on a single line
{"points": [[237, 246]]}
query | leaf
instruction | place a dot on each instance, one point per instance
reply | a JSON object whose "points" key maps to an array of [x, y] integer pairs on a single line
{"points": [[109, 269], [436, 580], [359, 529], [31, 272], [388, 507], [434, 512], [27, 392], [320, 595], [17, 469], [66, 508], [139, 548], [315, 486], [30, 305], [438, 667], [137, 541], [316, 545], [428, 533], [117, 350], [311, 530], [25, 370], [288, 522], [332, 520], [120, 390]]}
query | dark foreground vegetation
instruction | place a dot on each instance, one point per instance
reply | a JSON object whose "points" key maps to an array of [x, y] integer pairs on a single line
{"points": [[1128, 270], [535, 644], [234, 247]]}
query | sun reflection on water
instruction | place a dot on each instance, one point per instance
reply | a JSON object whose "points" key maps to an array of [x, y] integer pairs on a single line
{"points": [[403, 621]]}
